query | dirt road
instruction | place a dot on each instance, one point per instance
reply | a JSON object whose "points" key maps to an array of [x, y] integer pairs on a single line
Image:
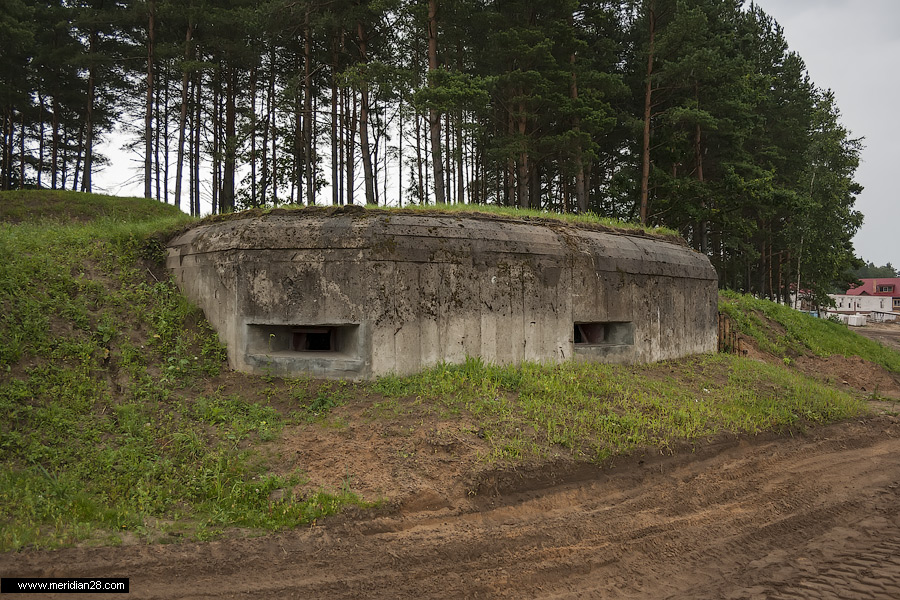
{"points": [[886, 333], [809, 516]]}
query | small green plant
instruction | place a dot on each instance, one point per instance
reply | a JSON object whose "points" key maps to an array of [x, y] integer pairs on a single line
{"points": [[329, 395]]}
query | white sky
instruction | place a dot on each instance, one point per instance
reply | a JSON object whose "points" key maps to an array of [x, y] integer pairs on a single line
{"points": [[851, 47]]}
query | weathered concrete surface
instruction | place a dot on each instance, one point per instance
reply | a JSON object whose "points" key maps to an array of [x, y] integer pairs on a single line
{"points": [[362, 294]]}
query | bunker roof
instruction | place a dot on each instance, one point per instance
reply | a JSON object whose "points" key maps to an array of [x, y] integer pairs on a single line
{"points": [[588, 221]]}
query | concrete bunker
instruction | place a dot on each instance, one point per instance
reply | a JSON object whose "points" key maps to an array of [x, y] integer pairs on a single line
{"points": [[351, 293]]}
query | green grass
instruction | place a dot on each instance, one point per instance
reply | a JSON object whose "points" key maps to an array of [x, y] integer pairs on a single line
{"points": [[597, 411], [41, 206], [802, 334], [588, 219], [103, 431], [115, 422]]}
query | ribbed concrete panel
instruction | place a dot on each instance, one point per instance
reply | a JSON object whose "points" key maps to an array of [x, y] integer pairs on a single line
{"points": [[359, 294]]}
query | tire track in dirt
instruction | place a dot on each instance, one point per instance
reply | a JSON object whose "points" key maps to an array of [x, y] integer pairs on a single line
{"points": [[814, 516]]}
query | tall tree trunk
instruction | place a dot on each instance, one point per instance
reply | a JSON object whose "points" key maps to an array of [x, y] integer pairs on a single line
{"points": [[274, 113], [342, 119], [308, 111], [226, 201], [434, 117], [648, 92], [65, 159], [253, 82], [534, 181], [167, 138], [216, 93], [368, 173], [198, 126], [156, 134], [264, 158], [581, 199], [78, 149], [703, 225], [351, 148], [40, 163], [420, 181], [511, 199], [148, 116], [22, 151], [54, 144], [448, 169], [771, 268], [524, 200], [191, 153], [342, 126], [460, 173], [182, 117], [459, 155], [299, 144], [86, 183], [420, 185], [6, 157], [335, 144]]}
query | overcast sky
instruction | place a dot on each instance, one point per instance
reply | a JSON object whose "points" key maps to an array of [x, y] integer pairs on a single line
{"points": [[852, 47]]}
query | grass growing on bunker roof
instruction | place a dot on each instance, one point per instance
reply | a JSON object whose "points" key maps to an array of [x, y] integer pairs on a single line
{"points": [[589, 219]]}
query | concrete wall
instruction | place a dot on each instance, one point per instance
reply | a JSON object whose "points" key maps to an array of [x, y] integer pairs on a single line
{"points": [[359, 294]]}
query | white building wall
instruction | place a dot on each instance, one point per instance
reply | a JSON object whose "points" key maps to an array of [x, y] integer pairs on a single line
{"points": [[847, 303]]}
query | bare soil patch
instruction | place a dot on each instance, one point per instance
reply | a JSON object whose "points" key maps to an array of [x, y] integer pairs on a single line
{"points": [[886, 333], [852, 374], [810, 516]]}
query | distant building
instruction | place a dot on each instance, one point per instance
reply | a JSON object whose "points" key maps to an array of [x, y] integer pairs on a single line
{"points": [[878, 298]]}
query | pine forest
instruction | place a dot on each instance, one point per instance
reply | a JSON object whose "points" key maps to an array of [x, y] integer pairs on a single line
{"points": [[689, 114]]}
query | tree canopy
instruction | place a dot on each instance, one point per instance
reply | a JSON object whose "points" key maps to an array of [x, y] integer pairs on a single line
{"points": [[693, 114]]}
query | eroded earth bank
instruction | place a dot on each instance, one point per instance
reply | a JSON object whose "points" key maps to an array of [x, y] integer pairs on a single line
{"points": [[813, 515]]}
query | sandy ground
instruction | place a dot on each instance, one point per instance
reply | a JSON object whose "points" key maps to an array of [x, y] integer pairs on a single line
{"points": [[886, 333], [809, 516]]}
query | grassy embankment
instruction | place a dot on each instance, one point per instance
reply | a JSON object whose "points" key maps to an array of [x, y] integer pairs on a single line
{"points": [[104, 424], [799, 333], [113, 422]]}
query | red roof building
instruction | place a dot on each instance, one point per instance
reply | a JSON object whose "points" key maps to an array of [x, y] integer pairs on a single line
{"points": [[885, 286], [879, 298]]}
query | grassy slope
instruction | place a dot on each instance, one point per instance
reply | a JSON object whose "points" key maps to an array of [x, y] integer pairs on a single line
{"points": [[597, 411], [115, 419], [801, 333], [99, 366]]}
